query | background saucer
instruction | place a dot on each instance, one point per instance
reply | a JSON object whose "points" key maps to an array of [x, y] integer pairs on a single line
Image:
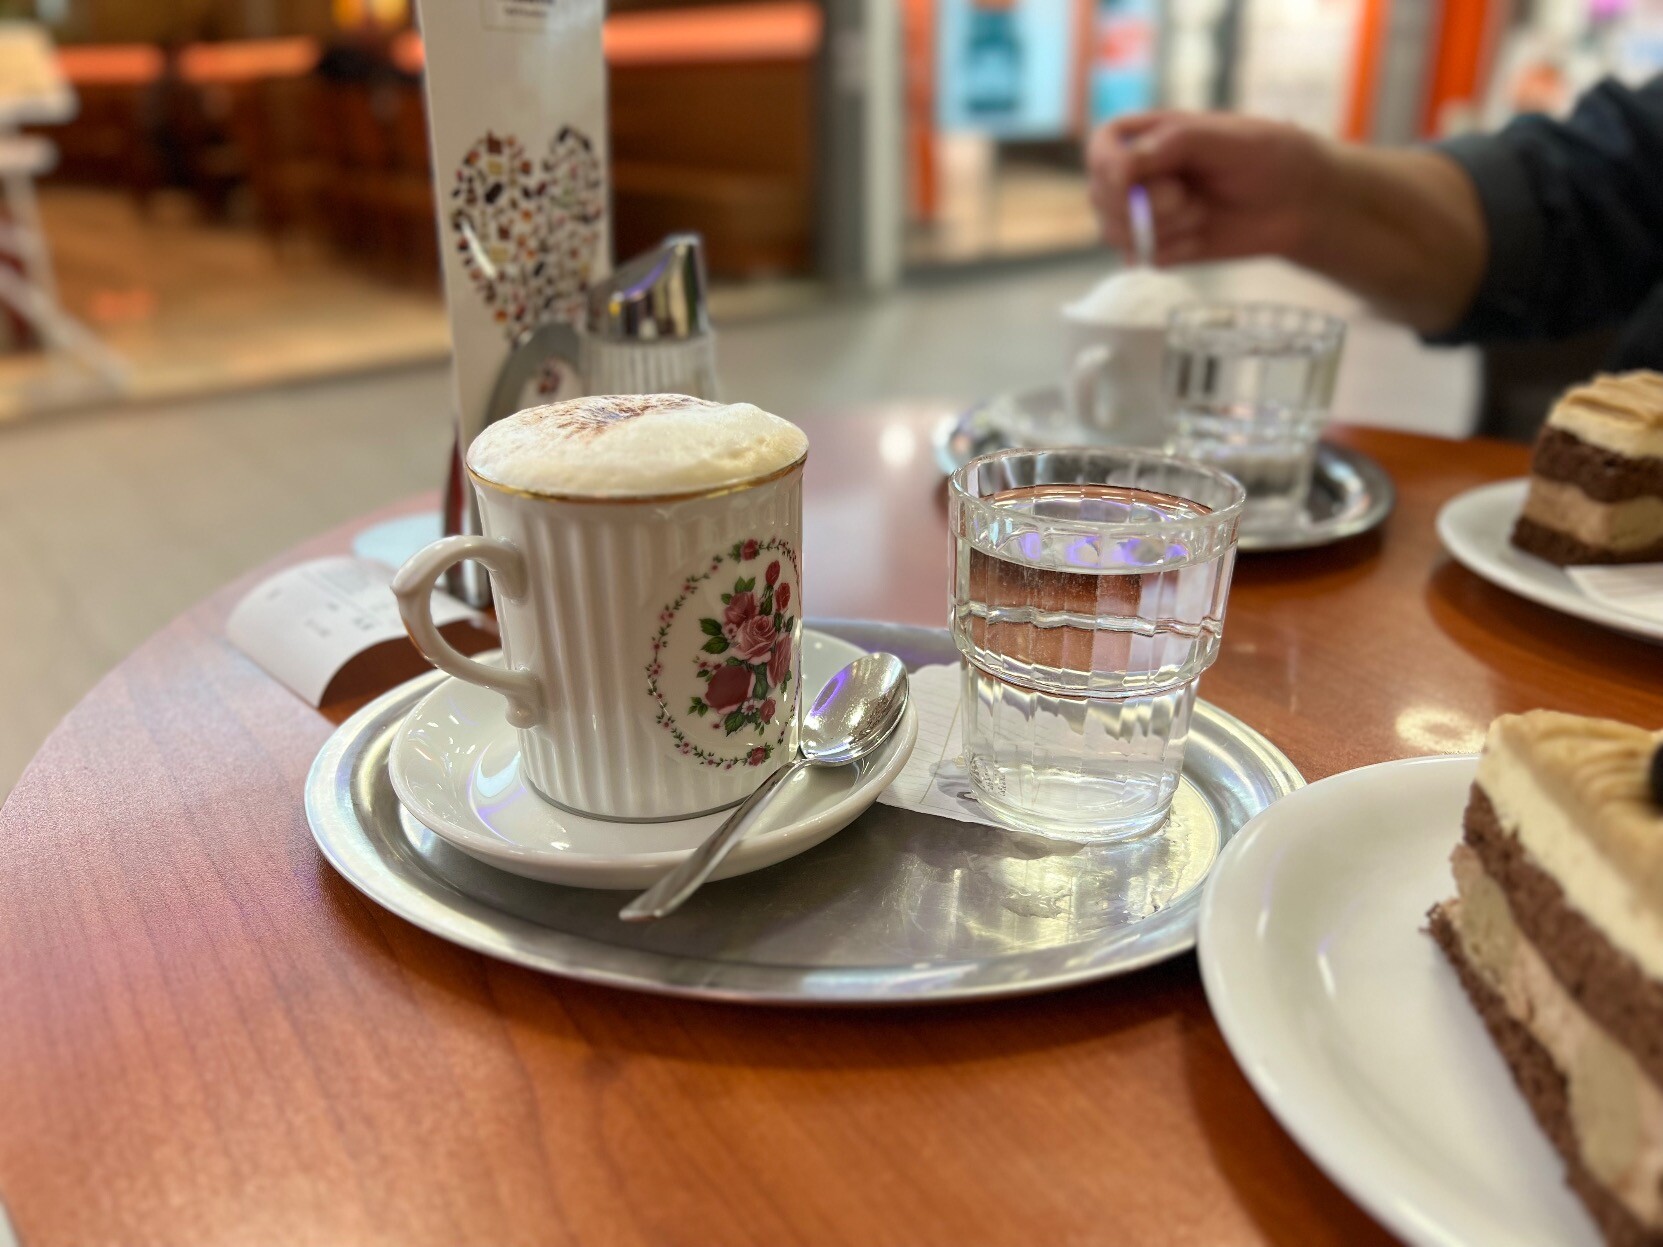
{"points": [[1350, 493], [455, 766]]}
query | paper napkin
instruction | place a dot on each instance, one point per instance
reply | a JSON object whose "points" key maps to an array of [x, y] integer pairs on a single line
{"points": [[1633, 588], [934, 780]]}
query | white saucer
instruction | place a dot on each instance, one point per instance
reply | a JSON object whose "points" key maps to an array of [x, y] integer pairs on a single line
{"points": [[1352, 1027], [1474, 528], [455, 766]]}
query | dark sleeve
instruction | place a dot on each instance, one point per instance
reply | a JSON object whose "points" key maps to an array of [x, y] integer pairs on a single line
{"points": [[1574, 211]]}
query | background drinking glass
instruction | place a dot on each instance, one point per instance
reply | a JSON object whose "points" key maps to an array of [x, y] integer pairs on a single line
{"points": [[1088, 592], [1250, 385]]}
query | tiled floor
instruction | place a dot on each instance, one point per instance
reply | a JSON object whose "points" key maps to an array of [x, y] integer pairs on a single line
{"points": [[111, 524], [194, 309]]}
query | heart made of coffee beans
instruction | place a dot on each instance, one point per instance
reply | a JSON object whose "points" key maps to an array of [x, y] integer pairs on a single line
{"points": [[527, 229]]}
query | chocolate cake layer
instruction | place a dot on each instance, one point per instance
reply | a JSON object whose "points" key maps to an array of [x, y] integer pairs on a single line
{"points": [[1544, 1089], [1604, 475], [1565, 550], [1606, 983]]}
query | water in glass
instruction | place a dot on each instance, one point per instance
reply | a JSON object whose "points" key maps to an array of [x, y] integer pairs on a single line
{"points": [[1250, 387], [1085, 617]]}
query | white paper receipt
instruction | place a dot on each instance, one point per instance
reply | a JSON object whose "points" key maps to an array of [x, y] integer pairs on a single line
{"points": [[308, 621], [934, 780], [1634, 588]]}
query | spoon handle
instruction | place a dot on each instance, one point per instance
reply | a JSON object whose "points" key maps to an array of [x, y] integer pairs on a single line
{"points": [[1143, 226], [666, 896]]}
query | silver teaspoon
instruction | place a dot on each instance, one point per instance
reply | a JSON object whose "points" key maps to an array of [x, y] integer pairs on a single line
{"points": [[851, 717]]}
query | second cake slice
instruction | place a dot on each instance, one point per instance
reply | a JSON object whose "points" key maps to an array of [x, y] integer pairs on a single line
{"points": [[1596, 481]]}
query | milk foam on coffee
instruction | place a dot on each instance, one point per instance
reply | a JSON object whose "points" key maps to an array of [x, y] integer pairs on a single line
{"points": [[1136, 297], [634, 445]]}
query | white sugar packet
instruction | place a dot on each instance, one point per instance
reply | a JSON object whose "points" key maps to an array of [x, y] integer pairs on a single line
{"points": [[1633, 588], [934, 780]]}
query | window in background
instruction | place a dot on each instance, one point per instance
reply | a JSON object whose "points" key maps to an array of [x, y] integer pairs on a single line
{"points": [[1000, 95]]}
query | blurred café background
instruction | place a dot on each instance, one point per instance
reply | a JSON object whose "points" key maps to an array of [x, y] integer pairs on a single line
{"points": [[221, 322]]}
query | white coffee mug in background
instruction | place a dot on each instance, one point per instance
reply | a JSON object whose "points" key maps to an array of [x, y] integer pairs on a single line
{"points": [[1114, 340], [1113, 384], [644, 556]]}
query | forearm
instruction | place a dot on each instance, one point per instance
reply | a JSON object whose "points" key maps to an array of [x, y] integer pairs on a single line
{"points": [[1403, 229]]}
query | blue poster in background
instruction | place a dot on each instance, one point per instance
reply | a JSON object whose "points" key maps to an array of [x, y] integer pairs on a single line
{"points": [[1122, 74], [1003, 67]]}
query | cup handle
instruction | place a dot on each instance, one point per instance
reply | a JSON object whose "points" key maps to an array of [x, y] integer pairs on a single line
{"points": [[413, 587], [1087, 374]]}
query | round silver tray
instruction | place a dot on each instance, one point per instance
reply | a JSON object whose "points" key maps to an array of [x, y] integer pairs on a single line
{"points": [[1350, 493], [899, 908]]}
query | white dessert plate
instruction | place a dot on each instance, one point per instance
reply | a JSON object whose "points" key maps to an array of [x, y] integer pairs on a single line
{"points": [[1474, 528], [1352, 1027], [454, 764]]}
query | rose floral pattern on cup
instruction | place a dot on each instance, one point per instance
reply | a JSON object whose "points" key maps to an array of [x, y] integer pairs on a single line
{"points": [[730, 638]]}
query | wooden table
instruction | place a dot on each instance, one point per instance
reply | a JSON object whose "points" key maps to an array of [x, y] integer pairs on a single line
{"points": [[208, 1037]]}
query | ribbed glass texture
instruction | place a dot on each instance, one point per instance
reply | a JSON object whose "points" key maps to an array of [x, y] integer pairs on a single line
{"points": [[1088, 596]]}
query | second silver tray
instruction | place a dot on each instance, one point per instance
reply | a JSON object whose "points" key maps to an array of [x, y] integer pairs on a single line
{"points": [[1350, 493], [899, 908]]}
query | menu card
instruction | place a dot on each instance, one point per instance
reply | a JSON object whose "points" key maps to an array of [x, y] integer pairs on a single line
{"points": [[516, 111], [1633, 588]]}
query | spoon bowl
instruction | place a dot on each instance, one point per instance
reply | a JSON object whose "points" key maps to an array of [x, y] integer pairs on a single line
{"points": [[855, 712]]}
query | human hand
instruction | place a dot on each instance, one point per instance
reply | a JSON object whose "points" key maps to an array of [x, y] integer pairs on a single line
{"points": [[1220, 186]]}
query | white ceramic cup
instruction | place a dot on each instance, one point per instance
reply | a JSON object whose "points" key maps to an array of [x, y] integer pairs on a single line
{"points": [[1112, 383], [650, 645]]}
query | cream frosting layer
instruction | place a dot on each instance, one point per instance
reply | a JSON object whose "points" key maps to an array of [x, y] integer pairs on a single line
{"points": [[1599, 770], [1615, 900], [1626, 525], [1621, 412], [634, 446], [1616, 1111]]}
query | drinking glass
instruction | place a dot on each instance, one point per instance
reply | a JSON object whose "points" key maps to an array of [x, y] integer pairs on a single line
{"points": [[1249, 386], [1087, 597]]}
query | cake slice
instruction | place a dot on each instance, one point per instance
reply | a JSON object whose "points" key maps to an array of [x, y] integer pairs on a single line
{"points": [[1596, 480], [1557, 936]]}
